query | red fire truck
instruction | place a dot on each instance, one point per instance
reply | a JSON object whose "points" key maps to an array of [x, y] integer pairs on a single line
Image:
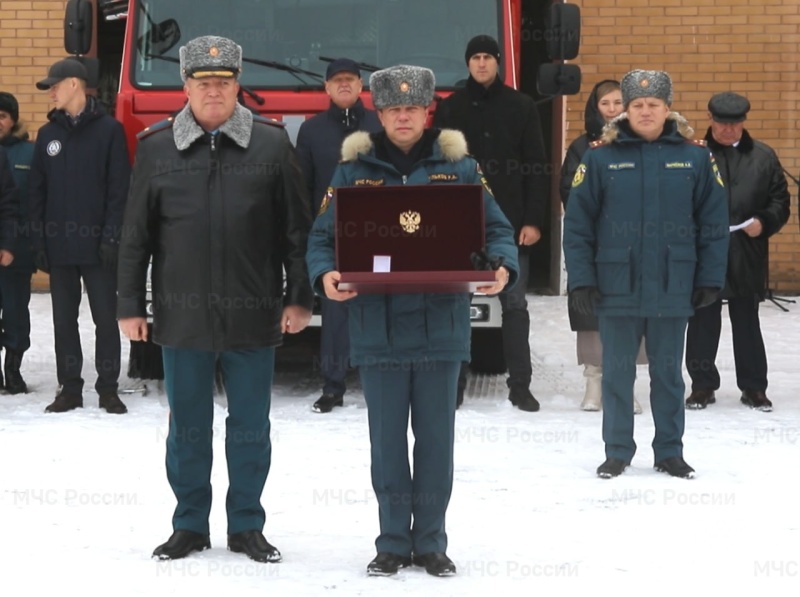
{"points": [[131, 50]]}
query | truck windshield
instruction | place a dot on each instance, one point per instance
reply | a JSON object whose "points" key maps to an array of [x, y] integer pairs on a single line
{"points": [[296, 33]]}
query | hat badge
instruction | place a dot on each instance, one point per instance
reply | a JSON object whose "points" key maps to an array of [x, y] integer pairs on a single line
{"points": [[213, 51], [644, 83], [404, 87]]}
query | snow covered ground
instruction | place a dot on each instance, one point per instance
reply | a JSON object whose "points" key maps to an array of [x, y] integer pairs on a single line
{"points": [[84, 497]]}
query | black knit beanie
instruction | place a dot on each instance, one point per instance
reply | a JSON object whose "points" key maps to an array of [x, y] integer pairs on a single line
{"points": [[482, 44]]}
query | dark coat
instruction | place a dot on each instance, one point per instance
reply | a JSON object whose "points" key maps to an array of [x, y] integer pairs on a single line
{"points": [[319, 143], [647, 222], [20, 155], [9, 205], [222, 216], [757, 188], [593, 122], [504, 134], [402, 327], [78, 185]]}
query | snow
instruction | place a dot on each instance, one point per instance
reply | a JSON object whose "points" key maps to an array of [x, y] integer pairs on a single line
{"points": [[84, 497]]}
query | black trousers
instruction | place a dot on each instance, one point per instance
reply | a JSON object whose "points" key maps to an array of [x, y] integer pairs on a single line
{"points": [[749, 354], [516, 328], [15, 321], [65, 295]]}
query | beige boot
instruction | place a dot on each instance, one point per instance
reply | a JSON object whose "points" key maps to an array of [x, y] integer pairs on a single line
{"points": [[593, 398]]}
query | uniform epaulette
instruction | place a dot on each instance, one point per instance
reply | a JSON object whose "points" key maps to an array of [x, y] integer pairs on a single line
{"points": [[265, 120], [698, 142], [154, 128], [596, 144]]}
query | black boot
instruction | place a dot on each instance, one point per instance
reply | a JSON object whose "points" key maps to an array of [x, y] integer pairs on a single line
{"points": [[254, 545], [14, 382], [436, 564], [387, 564], [2, 385], [181, 544]]}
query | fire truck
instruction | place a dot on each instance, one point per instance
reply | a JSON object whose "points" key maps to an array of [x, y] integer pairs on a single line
{"points": [[130, 48]]}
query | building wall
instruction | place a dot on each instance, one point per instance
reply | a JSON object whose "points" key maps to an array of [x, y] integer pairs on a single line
{"points": [[708, 46]]}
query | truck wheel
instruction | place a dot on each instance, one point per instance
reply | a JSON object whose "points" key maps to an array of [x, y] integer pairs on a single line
{"points": [[487, 351]]}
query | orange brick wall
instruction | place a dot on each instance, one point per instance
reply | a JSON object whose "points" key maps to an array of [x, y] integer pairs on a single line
{"points": [[31, 38], [707, 46]]}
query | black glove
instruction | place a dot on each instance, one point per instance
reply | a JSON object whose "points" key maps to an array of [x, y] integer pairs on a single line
{"points": [[703, 297], [583, 299], [481, 261], [40, 260], [108, 255]]}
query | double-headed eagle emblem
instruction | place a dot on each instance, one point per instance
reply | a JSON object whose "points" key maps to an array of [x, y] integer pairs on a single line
{"points": [[409, 221]]}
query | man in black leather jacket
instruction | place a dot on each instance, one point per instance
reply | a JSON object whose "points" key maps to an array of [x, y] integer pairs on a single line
{"points": [[758, 197], [217, 199]]}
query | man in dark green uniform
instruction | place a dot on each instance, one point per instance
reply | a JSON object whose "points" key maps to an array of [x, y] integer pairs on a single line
{"points": [[645, 243], [409, 347]]}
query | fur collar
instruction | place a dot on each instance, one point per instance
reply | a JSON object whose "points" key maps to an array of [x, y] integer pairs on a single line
{"points": [[611, 130], [238, 127], [18, 133], [451, 143]]}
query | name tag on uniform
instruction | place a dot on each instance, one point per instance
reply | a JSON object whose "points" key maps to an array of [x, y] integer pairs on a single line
{"points": [[622, 166], [679, 165], [21, 167]]}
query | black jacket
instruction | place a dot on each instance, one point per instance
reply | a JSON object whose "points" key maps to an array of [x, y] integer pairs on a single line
{"points": [[20, 153], [504, 134], [756, 187], [78, 185], [593, 123], [9, 205], [319, 142], [222, 217]]}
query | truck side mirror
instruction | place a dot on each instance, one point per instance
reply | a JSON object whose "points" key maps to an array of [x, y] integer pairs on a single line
{"points": [[78, 27], [558, 79], [563, 30]]}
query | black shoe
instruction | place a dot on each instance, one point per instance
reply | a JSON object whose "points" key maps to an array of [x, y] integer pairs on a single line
{"points": [[675, 467], [522, 398], [64, 402], [181, 544], [14, 383], [386, 564], [437, 564], [612, 467], [326, 403], [752, 398], [113, 404], [700, 399], [459, 397], [254, 545]]}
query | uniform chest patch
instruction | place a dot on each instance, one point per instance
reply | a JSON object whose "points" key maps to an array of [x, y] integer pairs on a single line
{"points": [[622, 166], [54, 148], [678, 165], [442, 177], [580, 175], [370, 182]]}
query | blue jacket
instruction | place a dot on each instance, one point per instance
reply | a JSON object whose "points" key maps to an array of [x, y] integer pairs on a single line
{"points": [[20, 154], [319, 143], [78, 185], [9, 205], [404, 327], [647, 223]]}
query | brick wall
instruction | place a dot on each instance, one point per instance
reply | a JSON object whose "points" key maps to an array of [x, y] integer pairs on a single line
{"points": [[708, 46]]}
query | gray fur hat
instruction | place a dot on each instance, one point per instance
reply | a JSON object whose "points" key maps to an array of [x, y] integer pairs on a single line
{"points": [[402, 85], [646, 83], [210, 56]]}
